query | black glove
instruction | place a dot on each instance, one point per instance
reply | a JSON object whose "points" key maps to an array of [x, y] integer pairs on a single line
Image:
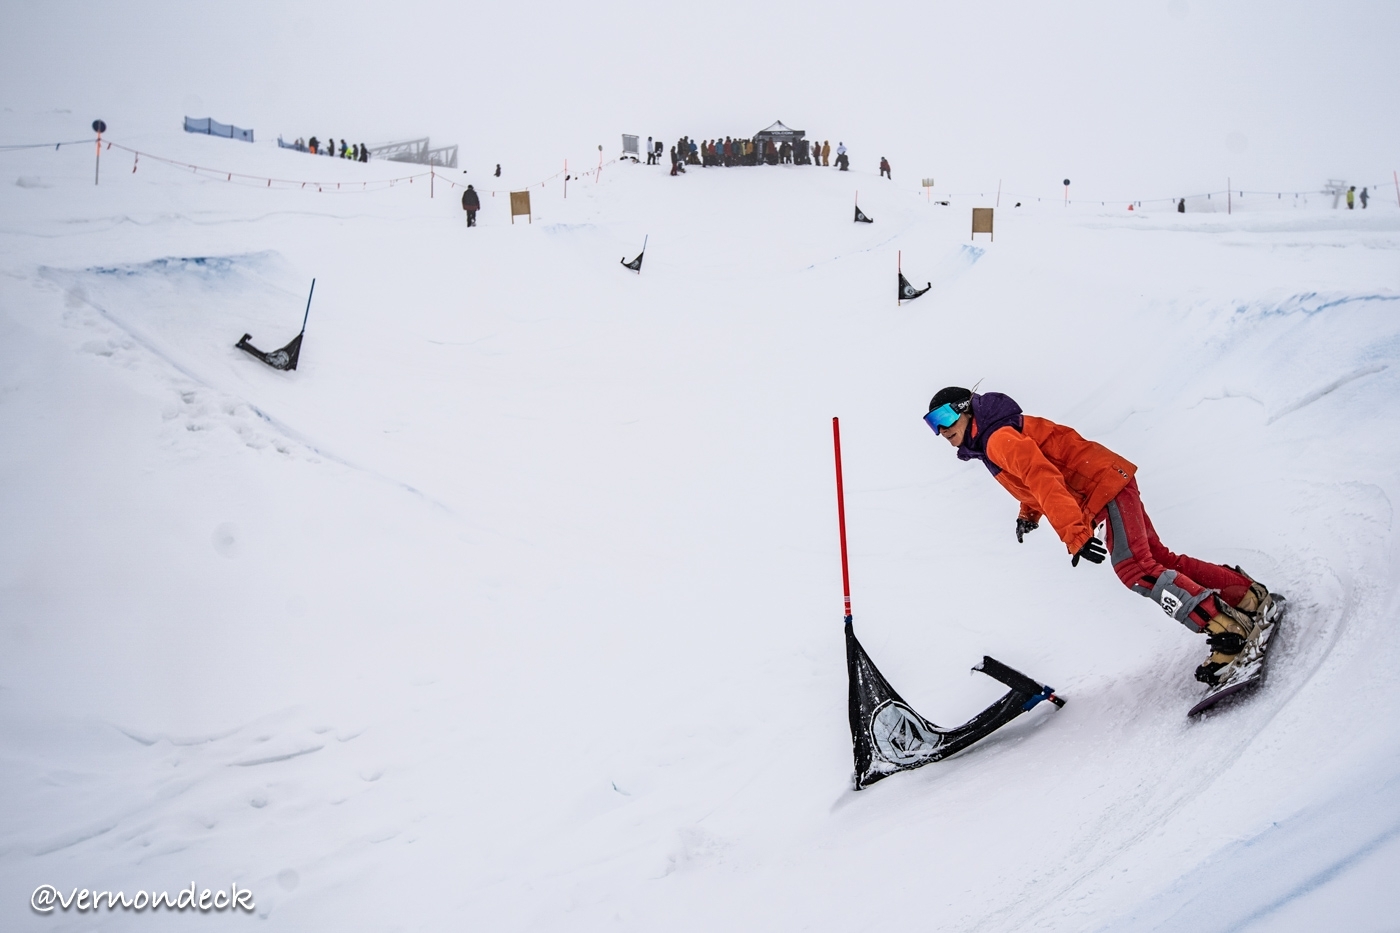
{"points": [[1024, 527], [1093, 551]]}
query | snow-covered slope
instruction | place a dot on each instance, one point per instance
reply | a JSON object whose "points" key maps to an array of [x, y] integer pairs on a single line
{"points": [[517, 606]]}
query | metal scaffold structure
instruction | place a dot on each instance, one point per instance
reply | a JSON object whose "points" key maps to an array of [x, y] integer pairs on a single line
{"points": [[418, 151]]}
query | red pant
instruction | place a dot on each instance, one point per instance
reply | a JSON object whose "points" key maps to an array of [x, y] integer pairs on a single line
{"points": [[1183, 586]]}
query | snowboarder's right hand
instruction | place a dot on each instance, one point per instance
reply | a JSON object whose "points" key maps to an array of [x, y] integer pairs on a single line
{"points": [[1092, 551], [1023, 528]]}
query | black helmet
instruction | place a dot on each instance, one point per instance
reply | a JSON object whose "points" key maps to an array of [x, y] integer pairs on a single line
{"points": [[956, 396]]}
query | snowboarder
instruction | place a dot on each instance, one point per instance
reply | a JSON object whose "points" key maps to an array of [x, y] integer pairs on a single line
{"points": [[885, 168], [1351, 198], [471, 204], [1364, 198], [1090, 495], [1181, 206], [364, 153], [651, 152], [826, 153], [498, 170], [842, 163]]}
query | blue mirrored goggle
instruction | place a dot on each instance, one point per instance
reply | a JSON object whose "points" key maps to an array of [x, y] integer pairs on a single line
{"points": [[941, 417]]}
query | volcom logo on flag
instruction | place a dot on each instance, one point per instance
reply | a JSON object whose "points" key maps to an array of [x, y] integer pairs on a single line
{"points": [[900, 737], [1170, 603]]}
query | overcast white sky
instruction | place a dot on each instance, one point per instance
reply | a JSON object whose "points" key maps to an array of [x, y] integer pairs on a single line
{"points": [[1130, 99]]}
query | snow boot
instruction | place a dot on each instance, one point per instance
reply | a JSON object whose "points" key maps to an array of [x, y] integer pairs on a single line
{"points": [[1257, 602], [1226, 634]]}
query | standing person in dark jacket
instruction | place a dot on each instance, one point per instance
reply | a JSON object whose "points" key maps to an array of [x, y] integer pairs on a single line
{"points": [[1090, 495], [364, 153], [1364, 198], [471, 204], [885, 168], [1181, 206]]}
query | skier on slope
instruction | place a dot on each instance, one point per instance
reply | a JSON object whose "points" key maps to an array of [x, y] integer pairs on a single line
{"points": [[1090, 495]]}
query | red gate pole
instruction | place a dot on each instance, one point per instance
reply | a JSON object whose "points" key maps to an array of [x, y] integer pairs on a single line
{"points": [[841, 517], [97, 166]]}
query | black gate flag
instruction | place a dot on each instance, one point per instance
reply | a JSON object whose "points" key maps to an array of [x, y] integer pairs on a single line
{"points": [[285, 358], [908, 292], [887, 736], [860, 217], [636, 264]]}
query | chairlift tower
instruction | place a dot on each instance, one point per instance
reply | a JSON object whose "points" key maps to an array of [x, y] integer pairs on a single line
{"points": [[1335, 188]]}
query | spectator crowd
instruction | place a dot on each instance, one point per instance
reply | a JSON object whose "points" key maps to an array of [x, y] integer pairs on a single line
{"points": [[352, 151], [733, 150]]}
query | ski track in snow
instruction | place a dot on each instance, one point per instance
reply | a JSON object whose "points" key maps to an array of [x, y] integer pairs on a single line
{"points": [[152, 347]]}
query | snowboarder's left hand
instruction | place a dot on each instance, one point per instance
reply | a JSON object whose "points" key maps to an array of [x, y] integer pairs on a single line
{"points": [[1092, 551], [1023, 528]]}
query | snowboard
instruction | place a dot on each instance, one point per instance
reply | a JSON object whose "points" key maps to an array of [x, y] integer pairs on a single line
{"points": [[1247, 672]]}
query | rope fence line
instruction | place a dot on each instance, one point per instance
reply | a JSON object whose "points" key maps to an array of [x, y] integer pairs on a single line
{"points": [[66, 142], [352, 187], [539, 184], [331, 187], [1223, 193], [265, 181]]}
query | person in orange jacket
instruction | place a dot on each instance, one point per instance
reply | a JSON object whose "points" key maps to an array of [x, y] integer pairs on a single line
{"points": [[1090, 496]]}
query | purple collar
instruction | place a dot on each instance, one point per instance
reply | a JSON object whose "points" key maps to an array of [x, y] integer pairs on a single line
{"points": [[991, 411]]}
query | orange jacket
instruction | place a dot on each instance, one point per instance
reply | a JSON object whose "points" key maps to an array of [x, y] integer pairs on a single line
{"points": [[1054, 472]]}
